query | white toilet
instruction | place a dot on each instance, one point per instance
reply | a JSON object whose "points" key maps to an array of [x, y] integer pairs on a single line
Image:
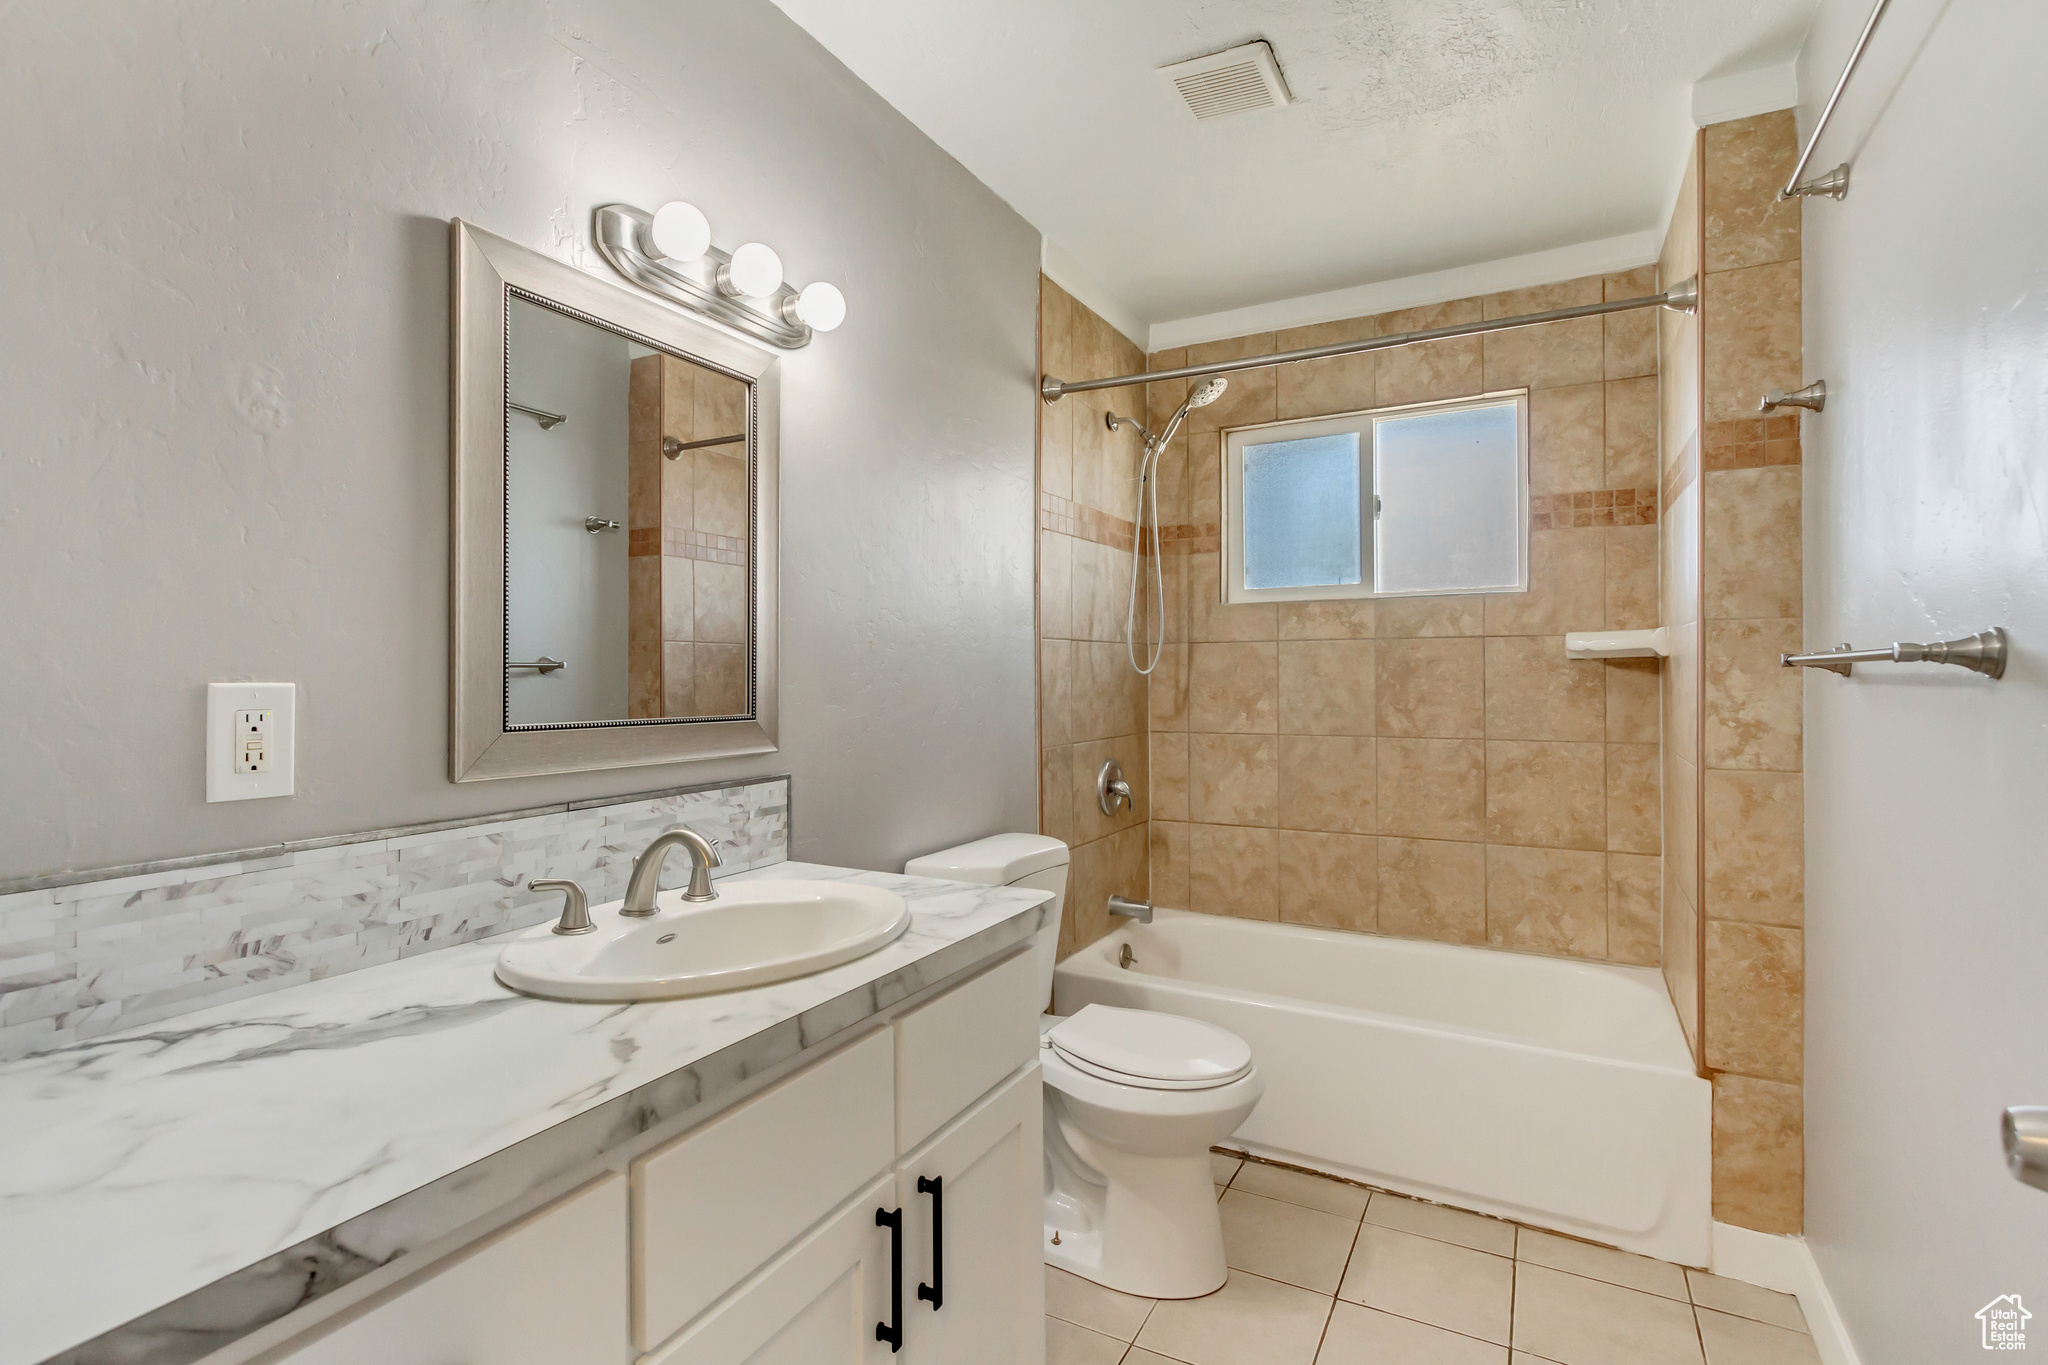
{"points": [[1133, 1101]]}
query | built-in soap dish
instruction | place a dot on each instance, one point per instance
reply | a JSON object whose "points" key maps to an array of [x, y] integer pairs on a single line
{"points": [[1616, 644]]}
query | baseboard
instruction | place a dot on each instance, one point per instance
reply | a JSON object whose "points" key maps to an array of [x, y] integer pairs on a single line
{"points": [[1785, 1264]]}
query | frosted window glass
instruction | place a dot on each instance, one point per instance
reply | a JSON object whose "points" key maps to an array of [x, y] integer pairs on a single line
{"points": [[1450, 500], [1301, 512]]}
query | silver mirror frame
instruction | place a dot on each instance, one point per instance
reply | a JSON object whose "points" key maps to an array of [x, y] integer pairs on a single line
{"points": [[480, 746]]}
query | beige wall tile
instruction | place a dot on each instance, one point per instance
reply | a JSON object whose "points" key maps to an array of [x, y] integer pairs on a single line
{"points": [[1432, 788], [721, 405], [1163, 396], [1326, 620], [1169, 776], [1755, 1011], [1432, 688], [1328, 783], [1055, 692], [1749, 329], [1759, 1154], [1546, 795], [1234, 779], [678, 597], [1753, 703], [721, 673], [1631, 578], [721, 592], [1633, 715], [1756, 847], [1746, 162], [1631, 337], [1173, 572], [1204, 465], [1167, 690], [1400, 618], [1055, 328], [1056, 446], [1751, 558], [1055, 586], [1233, 688], [1681, 958], [1169, 864], [1534, 692], [1102, 585], [644, 699], [1553, 354], [1634, 811], [1681, 822], [721, 493], [1678, 558], [1566, 439], [1433, 889], [1546, 900], [1326, 687], [643, 443], [1316, 387], [1629, 434], [1210, 620], [1567, 586], [1679, 400], [1108, 698], [1433, 369], [678, 680], [678, 490], [1056, 793], [1119, 865], [1133, 753], [1681, 693], [1633, 915], [1234, 870], [1250, 396], [1329, 880]]}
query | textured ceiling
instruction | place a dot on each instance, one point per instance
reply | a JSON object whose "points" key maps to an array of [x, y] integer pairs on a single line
{"points": [[1426, 134]]}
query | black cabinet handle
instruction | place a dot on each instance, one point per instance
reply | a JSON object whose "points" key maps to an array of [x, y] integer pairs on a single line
{"points": [[935, 1292], [892, 1331]]}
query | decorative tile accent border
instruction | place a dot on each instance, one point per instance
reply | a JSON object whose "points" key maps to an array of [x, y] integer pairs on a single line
{"points": [[1191, 538], [85, 955], [1593, 507], [1076, 519], [677, 543], [1752, 443]]}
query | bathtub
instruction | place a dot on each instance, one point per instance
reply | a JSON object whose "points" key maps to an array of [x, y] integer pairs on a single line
{"points": [[1556, 1093]]}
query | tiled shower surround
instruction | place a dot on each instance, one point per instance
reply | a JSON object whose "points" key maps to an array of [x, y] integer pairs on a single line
{"points": [[88, 956]]}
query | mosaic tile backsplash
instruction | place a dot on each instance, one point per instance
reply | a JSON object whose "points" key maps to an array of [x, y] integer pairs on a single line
{"points": [[93, 956]]}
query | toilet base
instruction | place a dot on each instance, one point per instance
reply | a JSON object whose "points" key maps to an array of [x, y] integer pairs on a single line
{"points": [[1151, 1228]]}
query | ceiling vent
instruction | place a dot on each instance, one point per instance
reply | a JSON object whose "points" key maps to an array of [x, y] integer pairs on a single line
{"points": [[1230, 82]]}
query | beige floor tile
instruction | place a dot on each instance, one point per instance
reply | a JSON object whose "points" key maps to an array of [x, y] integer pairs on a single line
{"points": [[1366, 1336], [1745, 1300], [1066, 1344], [1577, 1321], [1139, 1356], [1299, 1187], [1087, 1304], [1285, 1242], [1738, 1341], [1249, 1321], [1445, 1225], [1222, 1168], [1435, 1282], [1602, 1263]]}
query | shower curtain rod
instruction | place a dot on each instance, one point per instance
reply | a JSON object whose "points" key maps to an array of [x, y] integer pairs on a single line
{"points": [[1683, 297]]}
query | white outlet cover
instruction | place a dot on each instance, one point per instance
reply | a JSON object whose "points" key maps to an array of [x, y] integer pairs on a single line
{"points": [[223, 783]]}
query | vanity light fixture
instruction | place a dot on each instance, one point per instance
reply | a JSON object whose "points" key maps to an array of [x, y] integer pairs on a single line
{"points": [[669, 252]]}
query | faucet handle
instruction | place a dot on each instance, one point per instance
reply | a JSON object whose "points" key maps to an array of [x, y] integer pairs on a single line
{"points": [[575, 908]]}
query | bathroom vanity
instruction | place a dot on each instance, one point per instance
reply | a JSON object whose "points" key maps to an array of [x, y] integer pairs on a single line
{"points": [[840, 1168]]}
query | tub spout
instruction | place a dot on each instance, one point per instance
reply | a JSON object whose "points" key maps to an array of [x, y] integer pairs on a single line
{"points": [[1141, 911]]}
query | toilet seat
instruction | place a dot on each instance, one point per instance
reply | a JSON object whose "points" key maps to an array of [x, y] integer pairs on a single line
{"points": [[1149, 1050]]}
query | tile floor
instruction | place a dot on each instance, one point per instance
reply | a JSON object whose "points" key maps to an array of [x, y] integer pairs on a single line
{"points": [[1324, 1273]]}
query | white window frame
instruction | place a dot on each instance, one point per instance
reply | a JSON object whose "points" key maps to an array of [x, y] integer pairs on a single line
{"points": [[1364, 421]]}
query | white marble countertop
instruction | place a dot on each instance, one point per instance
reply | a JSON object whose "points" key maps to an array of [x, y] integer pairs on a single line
{"points": [[141, 1167]]}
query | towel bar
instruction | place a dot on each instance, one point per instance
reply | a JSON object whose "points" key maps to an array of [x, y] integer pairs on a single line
{"points": [[1983, 653]]}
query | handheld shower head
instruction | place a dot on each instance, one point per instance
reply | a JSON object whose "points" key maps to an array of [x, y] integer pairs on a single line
{"points": [[1208, 393]]}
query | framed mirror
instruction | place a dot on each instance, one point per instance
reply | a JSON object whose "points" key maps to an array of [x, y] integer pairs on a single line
{"points": [[613, 538]]}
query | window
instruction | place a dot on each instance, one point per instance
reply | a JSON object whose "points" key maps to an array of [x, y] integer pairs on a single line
{"points": [[1397, 502]]}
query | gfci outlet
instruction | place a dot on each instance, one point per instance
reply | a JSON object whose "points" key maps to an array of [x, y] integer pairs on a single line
{"points": [[249, 740]]}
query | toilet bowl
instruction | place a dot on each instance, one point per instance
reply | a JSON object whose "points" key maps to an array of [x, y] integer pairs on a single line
{"points": [[1134, 1099]]}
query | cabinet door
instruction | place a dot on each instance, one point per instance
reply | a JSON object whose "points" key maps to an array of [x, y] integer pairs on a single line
{"points": [[549, 1290], [973, 1240], [816, 1304]]}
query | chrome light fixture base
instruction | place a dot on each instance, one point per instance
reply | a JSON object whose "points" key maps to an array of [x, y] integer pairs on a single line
{"points": [[625, 238]]}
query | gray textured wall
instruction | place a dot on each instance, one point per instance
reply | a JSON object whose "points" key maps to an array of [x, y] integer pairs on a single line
{"points": [[1926, 479], [223, 242]]}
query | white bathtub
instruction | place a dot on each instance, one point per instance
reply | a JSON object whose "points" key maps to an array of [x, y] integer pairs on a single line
{"points": [[1555, 1093]]}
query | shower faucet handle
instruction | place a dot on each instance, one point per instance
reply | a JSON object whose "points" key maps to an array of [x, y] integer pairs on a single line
{"points": [[1112, 793]]}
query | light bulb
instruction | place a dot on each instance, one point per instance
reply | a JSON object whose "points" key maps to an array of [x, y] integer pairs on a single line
{"points": [[681, 231], [755, 270], [821, 306]]}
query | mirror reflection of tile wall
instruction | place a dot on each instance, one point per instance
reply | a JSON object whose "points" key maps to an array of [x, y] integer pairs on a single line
{"points": [[687, 518]]}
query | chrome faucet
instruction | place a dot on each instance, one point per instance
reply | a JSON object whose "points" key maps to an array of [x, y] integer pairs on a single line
{"points": [[646, 878], [1141, 911]]}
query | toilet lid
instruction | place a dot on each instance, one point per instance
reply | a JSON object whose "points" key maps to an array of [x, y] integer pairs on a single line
{"points": [[1146, 1048]]}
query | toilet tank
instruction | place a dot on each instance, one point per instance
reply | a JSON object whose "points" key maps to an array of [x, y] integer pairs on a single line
{"points": [[1028, 860]]}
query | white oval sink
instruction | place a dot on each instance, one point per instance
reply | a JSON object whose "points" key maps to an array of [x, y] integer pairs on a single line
{"points": [[755, 933]]}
